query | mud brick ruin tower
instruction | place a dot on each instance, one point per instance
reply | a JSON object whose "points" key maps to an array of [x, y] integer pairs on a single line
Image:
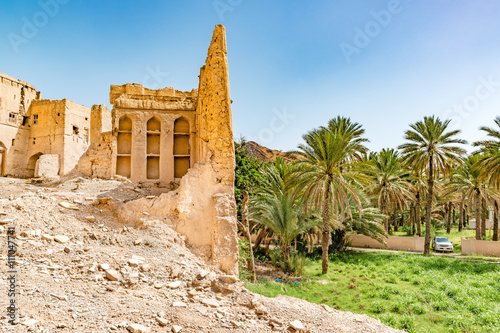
{"points": [[177, 144]]}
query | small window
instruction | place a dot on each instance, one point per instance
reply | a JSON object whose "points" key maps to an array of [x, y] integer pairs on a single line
{"points": [[25, 121], [86, 118], [35, 119], [75, 130], [58, 114], [13, 140], [12, 117]]}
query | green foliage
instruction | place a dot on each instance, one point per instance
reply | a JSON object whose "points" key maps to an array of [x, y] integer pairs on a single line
{"points": [[462, 296], [247, 173], [490, 162], [243, 249], [278, 209], [293, 263]]}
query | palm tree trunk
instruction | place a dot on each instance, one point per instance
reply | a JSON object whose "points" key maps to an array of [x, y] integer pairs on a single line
{"points": [[453, 216], [430, 184], [478, 215], [325, 241], [395, 222], [448, 226], [461, 214], [418, 219], [495, 221], [412, 217], [386, 219], [259, 240], [402, 220], [484, 211]]}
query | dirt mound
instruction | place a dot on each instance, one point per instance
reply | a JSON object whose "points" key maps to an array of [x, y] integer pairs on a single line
{"points": [[265, 154], [79, 270]]}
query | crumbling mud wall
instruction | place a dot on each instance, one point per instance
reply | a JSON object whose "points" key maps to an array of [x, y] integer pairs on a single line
{"points": [[97, 161], [16, 97], [203, 208], [213, 113]]}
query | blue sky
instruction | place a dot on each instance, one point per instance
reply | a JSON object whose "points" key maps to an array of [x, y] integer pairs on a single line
{"points": [[289, 68]]}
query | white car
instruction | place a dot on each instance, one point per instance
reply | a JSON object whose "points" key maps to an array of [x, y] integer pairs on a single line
{"points": [[442, 244]]}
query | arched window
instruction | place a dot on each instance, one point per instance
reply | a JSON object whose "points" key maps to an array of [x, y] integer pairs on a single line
{"points": [[124, 147], [153, 148], [182, 148]]}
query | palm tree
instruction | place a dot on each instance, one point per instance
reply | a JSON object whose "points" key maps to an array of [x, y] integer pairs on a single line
{"points": [[491, 147], [285, 216], [418, 188], [390, 188], [277, 208], [468, 180], [326, 173], [370, 223], [431, 149], [355, 149], [491, 163]]}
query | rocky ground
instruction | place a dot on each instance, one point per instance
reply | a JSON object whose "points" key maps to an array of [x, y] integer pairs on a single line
{"points": [[80, 270]]}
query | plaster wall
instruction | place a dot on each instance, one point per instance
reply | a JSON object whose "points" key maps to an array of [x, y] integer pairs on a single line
{"points": [[480, 247], [415, 244]]}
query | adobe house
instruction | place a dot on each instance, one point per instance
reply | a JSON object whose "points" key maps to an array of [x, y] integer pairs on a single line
{"points": [[39, 137]]}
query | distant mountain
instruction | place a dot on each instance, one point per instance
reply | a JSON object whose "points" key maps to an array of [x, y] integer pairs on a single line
{"points": [[265, 154]]}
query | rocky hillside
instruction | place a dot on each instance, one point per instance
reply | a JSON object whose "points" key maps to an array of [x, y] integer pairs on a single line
{"points": [[265, 154], [79, 270]]}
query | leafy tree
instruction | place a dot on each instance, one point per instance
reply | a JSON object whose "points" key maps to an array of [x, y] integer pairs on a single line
{"points": [[430, 148], [247, 173], [389, 184], [326, 173]]}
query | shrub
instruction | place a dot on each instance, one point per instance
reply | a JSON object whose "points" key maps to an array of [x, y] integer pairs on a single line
{"points": [[395, 307], [294, 265], [418, 309], [389, 319], [378, 307], [407, 323]]}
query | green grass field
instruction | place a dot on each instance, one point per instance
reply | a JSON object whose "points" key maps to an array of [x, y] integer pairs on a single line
{"points": [[409, 292]]}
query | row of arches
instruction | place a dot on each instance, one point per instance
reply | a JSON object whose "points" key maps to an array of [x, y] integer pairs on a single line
{"points": [[181, 147]]}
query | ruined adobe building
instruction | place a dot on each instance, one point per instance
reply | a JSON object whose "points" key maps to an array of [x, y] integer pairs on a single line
{"points": [[166, 137], [176, 143], [39, 137]]}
